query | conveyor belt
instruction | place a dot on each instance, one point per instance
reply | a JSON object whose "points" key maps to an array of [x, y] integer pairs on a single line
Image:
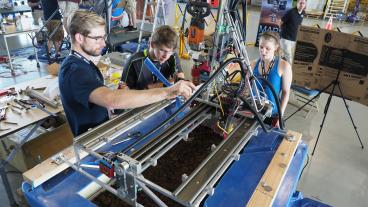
{"points": [[206, 175], [190, 121], [128, 119]]}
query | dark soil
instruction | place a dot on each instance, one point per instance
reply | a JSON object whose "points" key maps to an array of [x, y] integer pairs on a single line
{"points": [[184, 158]]}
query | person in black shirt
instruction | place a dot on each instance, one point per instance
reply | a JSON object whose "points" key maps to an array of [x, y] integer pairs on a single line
{"points": [[161, 52], [85, 98], [36, 10], [289, 29], [37, 14], [54, 26]]}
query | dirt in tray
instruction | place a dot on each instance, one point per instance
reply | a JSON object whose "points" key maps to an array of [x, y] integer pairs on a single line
{"points": [[183, 158]]}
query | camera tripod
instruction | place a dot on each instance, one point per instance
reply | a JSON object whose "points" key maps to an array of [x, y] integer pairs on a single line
{"points": [[333, 83]]}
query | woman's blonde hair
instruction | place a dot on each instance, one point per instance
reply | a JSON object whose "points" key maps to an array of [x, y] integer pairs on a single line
{"points": [[272, 36], [82, 21]]}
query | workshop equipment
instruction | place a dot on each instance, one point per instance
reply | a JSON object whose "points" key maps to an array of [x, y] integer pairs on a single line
{"points": [[9, 91], [182, 47], [106, 164], [165, 127], [209, 182], [199, 10], [213, 3], [22, 104], [39, 96], [3, 113]]}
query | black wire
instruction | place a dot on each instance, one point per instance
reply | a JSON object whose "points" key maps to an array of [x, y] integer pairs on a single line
{"points": [[276, 97], [304, 165], [256, 115], [228, 86]]}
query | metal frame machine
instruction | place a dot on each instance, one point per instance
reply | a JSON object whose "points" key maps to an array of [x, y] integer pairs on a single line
{"points": [[115, 155]]}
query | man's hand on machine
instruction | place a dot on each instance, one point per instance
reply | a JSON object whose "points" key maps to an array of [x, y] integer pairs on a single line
{"points": [[181, 88]]}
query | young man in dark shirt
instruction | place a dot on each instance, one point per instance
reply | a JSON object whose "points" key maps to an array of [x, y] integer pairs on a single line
{"points": [[289, 28], [86, 100], [161, 52]]}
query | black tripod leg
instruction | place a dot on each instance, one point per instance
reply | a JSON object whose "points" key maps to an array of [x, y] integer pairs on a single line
{"points": [[324, 116], [351, 118], [314, 97]]}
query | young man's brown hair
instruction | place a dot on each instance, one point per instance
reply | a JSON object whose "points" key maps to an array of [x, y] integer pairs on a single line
{"points": [[166, 36]]}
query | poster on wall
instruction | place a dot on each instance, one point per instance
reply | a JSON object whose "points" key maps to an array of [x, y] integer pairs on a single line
{"points": [[271, 13], [320, 54]]}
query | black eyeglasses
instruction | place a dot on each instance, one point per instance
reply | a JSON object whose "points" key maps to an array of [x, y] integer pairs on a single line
{"points": [[97, 38]]}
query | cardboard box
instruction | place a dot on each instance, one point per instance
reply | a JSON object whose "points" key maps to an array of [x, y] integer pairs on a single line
{"points": [[53, 69], [320, 54], [38, 148]]}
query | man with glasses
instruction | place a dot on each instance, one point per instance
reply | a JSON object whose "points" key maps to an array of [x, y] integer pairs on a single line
{"points": [[86, 100], [161, 52]]}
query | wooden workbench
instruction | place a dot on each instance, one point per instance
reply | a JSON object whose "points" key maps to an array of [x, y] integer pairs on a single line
{"points": [[32, 115]]}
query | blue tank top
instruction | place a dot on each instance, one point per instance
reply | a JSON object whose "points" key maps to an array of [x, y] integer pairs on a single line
{"points": [[274, 78]]}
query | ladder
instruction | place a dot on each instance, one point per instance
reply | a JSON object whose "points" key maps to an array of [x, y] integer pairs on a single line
{"points": [[157, 8], [334, 7]]}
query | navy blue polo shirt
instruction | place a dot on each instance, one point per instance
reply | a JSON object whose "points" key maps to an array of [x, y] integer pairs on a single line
{"points": [[77, 79]]}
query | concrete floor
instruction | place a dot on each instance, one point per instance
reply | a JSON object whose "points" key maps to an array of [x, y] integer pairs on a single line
{"points": [[337, 174]]}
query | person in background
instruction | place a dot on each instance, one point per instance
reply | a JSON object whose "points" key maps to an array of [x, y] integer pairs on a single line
{"points": [[36, 11], [163, 43], [85, 98], [276, 70], [54, 26], [130, 8], [68, 7], [37, 14], [289, 28]]}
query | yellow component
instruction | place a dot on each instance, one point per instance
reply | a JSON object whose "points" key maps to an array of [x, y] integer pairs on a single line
{"points": [[233, 67], [177, 17], [236, 79], [222, 129], [116, 75], [217, 94], [182, 54], [230, 127]]}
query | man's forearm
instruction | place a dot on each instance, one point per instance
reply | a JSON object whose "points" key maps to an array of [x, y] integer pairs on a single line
{"points": [[126, 99]]}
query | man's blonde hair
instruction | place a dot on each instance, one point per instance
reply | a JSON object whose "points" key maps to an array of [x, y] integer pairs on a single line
{"points": [[82, 21]]}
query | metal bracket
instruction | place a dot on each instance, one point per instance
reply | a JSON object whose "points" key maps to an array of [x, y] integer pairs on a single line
{"points": [[236, 157], [290, 137], [210, 190], [58, 158]]}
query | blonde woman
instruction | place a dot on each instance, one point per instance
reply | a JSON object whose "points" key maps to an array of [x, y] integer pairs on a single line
{"points": [[276, 70]]}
